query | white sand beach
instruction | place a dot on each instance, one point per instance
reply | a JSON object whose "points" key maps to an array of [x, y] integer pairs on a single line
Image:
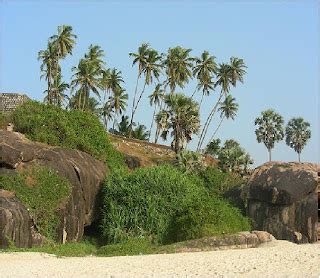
{"points": [[276, 259]]}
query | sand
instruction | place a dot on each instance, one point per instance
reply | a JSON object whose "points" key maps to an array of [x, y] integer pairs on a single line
{"points": [[276, 259]]}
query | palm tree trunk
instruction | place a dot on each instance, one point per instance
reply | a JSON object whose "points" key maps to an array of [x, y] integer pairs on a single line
{"points": [[195, 90], [207, 123], [217, 129], [154, 113], [201, 100], [269, 150], [134, 103], [156, 137], [139, 99], [299, 157]]}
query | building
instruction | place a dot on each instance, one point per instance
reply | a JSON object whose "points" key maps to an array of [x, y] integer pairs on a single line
{"points": [[9, 101]]}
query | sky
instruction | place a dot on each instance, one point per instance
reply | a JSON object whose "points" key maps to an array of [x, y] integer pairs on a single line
{"points": [[278, 40]]}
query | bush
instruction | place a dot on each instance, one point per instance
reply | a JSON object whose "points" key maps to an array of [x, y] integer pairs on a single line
{"points": [[164, 205], [42, 191], [71, 129], [219, 182]]}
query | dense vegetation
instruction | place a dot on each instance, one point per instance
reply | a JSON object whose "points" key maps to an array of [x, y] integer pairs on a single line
{"points": [[42, 191], [166, 205], [74, 129]]}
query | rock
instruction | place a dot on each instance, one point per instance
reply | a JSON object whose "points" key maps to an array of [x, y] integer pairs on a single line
{"points": [[15, 222], [282, 200], [84, 173], [132, 162]]}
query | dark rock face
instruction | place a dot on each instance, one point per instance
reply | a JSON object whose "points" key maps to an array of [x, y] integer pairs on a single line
{"points": [[282, 200], [83, 171]]}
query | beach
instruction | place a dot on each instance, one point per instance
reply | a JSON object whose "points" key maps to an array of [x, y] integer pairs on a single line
{"points": [[274, 259]]}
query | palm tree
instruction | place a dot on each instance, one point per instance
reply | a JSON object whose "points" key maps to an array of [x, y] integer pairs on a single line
{"points": [[151, 71], [139, 58], [140, 132], [107, 113], [270, 129], [228, 109], [57, 89], [86, 79], [227, 74], [204, 69], [155, 99], [118, 102], [297, 134], [182, 116], [96, 55], [48, 68], [178, 64]]}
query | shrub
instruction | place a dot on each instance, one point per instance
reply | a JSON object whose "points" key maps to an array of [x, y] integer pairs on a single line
{"points": [[71, 129], [218, 182], [164, 205], [42, 191]]}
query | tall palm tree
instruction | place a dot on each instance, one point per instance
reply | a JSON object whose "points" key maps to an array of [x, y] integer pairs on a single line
{"points": [[270, 129], [182, 117], [139, 58], [86, 79], [48, 69], [151, 71], [178, 65], [58, 89], [107, 113], [227, 75], [228, 109], [204, 69], [155, 99], [297, 134]]}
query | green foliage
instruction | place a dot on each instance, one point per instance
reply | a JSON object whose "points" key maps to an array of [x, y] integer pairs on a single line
{"points": [[165, 205], [4, 120], [213, 147], [189, 161], [71, 129], [219, 182], [42, 191]]}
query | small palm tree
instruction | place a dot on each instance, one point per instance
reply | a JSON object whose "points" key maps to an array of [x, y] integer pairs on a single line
{"points": [[182, 116], [140, 133], [86, 79], [297, 134], [228, 109], [118, 102], [155, 98], [270, 129], [204, 69], [178, 65]]}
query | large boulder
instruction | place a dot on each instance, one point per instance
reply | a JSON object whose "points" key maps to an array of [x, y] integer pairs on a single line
{"points": [[84, 173], [282, 200]]}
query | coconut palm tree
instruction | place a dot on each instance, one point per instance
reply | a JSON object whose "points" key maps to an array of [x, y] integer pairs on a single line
{"points": [[227, 75], [297, 134], [96, 55], [58, 89], [118, 102], [151, 71], [228, 109], [140, 132], [139, 58], [107, 113], [204, 69], [270, 129], [48, 68], [86, 79], [155, 99], [182, 116], [178, 65]]}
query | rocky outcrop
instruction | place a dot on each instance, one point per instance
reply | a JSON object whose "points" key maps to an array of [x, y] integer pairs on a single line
{"points": [[84, 173], [282, 200]]}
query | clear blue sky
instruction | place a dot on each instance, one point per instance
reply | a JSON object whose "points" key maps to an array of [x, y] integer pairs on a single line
{"points": [[279, 42]]}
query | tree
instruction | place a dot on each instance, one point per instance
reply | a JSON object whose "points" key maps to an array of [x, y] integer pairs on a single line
{"points": [[140, 132], [270, 129], [189, 161], [96, 55], [182, 116], [178, 65], [204, 70], [228, 109], [297, 134], [57, 89], [227, 75], [118, 101], [233, 158], [86, 79], [155, 98], [213, 147], [151, 70]]}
